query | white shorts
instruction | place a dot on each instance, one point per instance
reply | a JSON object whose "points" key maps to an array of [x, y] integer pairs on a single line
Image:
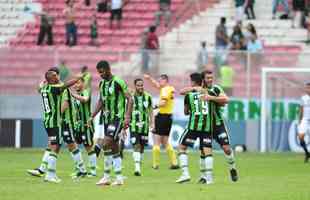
{"points": [[304, 127]]}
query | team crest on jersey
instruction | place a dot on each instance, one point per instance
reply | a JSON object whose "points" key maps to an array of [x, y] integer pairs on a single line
{"points": [[146, 104], [110, 90]]}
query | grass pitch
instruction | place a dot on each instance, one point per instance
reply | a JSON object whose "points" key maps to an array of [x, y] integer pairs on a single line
{"points": [[275, 176]]}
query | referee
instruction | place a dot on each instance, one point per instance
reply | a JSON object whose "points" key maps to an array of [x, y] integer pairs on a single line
{"points": [[163, 120]]}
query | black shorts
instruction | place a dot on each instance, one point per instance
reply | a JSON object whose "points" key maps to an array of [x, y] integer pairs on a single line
{"points": [[220, 135], [138, 138], [116, 14], [189, 137], [67, 134], [54, 136], [113, 129], [85, 138], [163, 124]]}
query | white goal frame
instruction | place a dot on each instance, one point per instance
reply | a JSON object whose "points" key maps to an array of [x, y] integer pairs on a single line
{"points": [[263, 119]]}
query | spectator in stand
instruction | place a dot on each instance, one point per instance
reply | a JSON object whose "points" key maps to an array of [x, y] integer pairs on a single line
{"points": [[237, 39], [64, 71], [254, 45], [239, 4], [46, 28], [94, 31], [87, 2], [71, 28], [275, 4], [202, 58], [116, 12], [164, 10], [221, 43], [152, 46], [144, 54], [249, 9], [298, 8]]}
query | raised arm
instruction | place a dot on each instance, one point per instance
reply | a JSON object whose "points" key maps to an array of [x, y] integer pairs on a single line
{"points": [[151, 80], [82, 99], [186, 90]]}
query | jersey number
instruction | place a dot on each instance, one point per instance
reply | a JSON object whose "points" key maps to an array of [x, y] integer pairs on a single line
{"points": [[204, 107], [46, 105]]}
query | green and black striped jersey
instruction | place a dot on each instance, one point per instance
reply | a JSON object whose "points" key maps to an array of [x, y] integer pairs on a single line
{"points": [[51, 97], [84, 111], [112, 94], [70, 115], [140, 117], [199, 119], [215, 109]]}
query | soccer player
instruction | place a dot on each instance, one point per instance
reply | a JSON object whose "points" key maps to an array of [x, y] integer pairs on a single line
{"points": [[68, 126], [304, 120], [217, 99], [141, 121], [85, 132], [113, 97], [198, 127], [51, 91], [163, 120]]}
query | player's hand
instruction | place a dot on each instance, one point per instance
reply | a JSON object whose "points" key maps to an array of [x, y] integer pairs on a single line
{"points": [[89, 122], [123, 134], [206, 97], [126, 122], [79, 76]]}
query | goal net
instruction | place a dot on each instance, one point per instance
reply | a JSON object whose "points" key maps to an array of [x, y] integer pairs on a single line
{"points": [[281, 90]]}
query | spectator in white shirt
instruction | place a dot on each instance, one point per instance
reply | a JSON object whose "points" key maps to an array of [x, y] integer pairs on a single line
{"points": [[202, 58], [116, 12]]}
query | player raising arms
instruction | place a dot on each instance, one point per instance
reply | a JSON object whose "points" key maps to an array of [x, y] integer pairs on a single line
{"points": [[85, 133], [113, 97], [163, 120], [198, 127], [51, 92], [304, 120], [141, 121]]}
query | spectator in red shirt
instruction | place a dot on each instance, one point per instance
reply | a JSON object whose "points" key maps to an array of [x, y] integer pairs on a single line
{"points": [[152, 46]]}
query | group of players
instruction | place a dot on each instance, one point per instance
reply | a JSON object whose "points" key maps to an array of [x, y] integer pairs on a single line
{"points": [[68, 119]]}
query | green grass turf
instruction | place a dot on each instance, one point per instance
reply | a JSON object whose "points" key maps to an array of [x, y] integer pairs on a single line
{"points": [[276, 176]]}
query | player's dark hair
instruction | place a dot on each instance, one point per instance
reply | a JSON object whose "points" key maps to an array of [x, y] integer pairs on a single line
{"points": [[103, 64], [307, 83], [84, 69], [164, 76], [48, 75], [223, 20], [196, 77], [54, 69], [137, 80]]}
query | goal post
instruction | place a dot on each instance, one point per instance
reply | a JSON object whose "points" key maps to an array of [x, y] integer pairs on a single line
{"points": [[265, 111]]}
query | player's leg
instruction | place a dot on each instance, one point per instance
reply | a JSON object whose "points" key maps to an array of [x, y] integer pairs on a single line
{"points": [[170, 151], [76, 154], [54, 141], [136, 155], [206, 158], [185, 140], [302, 129], [222, 138], [87, 140], [41, 170], [108, 160]]}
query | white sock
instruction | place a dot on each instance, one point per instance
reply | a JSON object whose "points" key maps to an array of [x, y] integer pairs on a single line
{"points": [[230, 159], [92, 161], [44, 162], [107, 163], [51, 166], [202, 164], [137, 158], [183, 158], [209, 165], [78, 160], [117, 166]]}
